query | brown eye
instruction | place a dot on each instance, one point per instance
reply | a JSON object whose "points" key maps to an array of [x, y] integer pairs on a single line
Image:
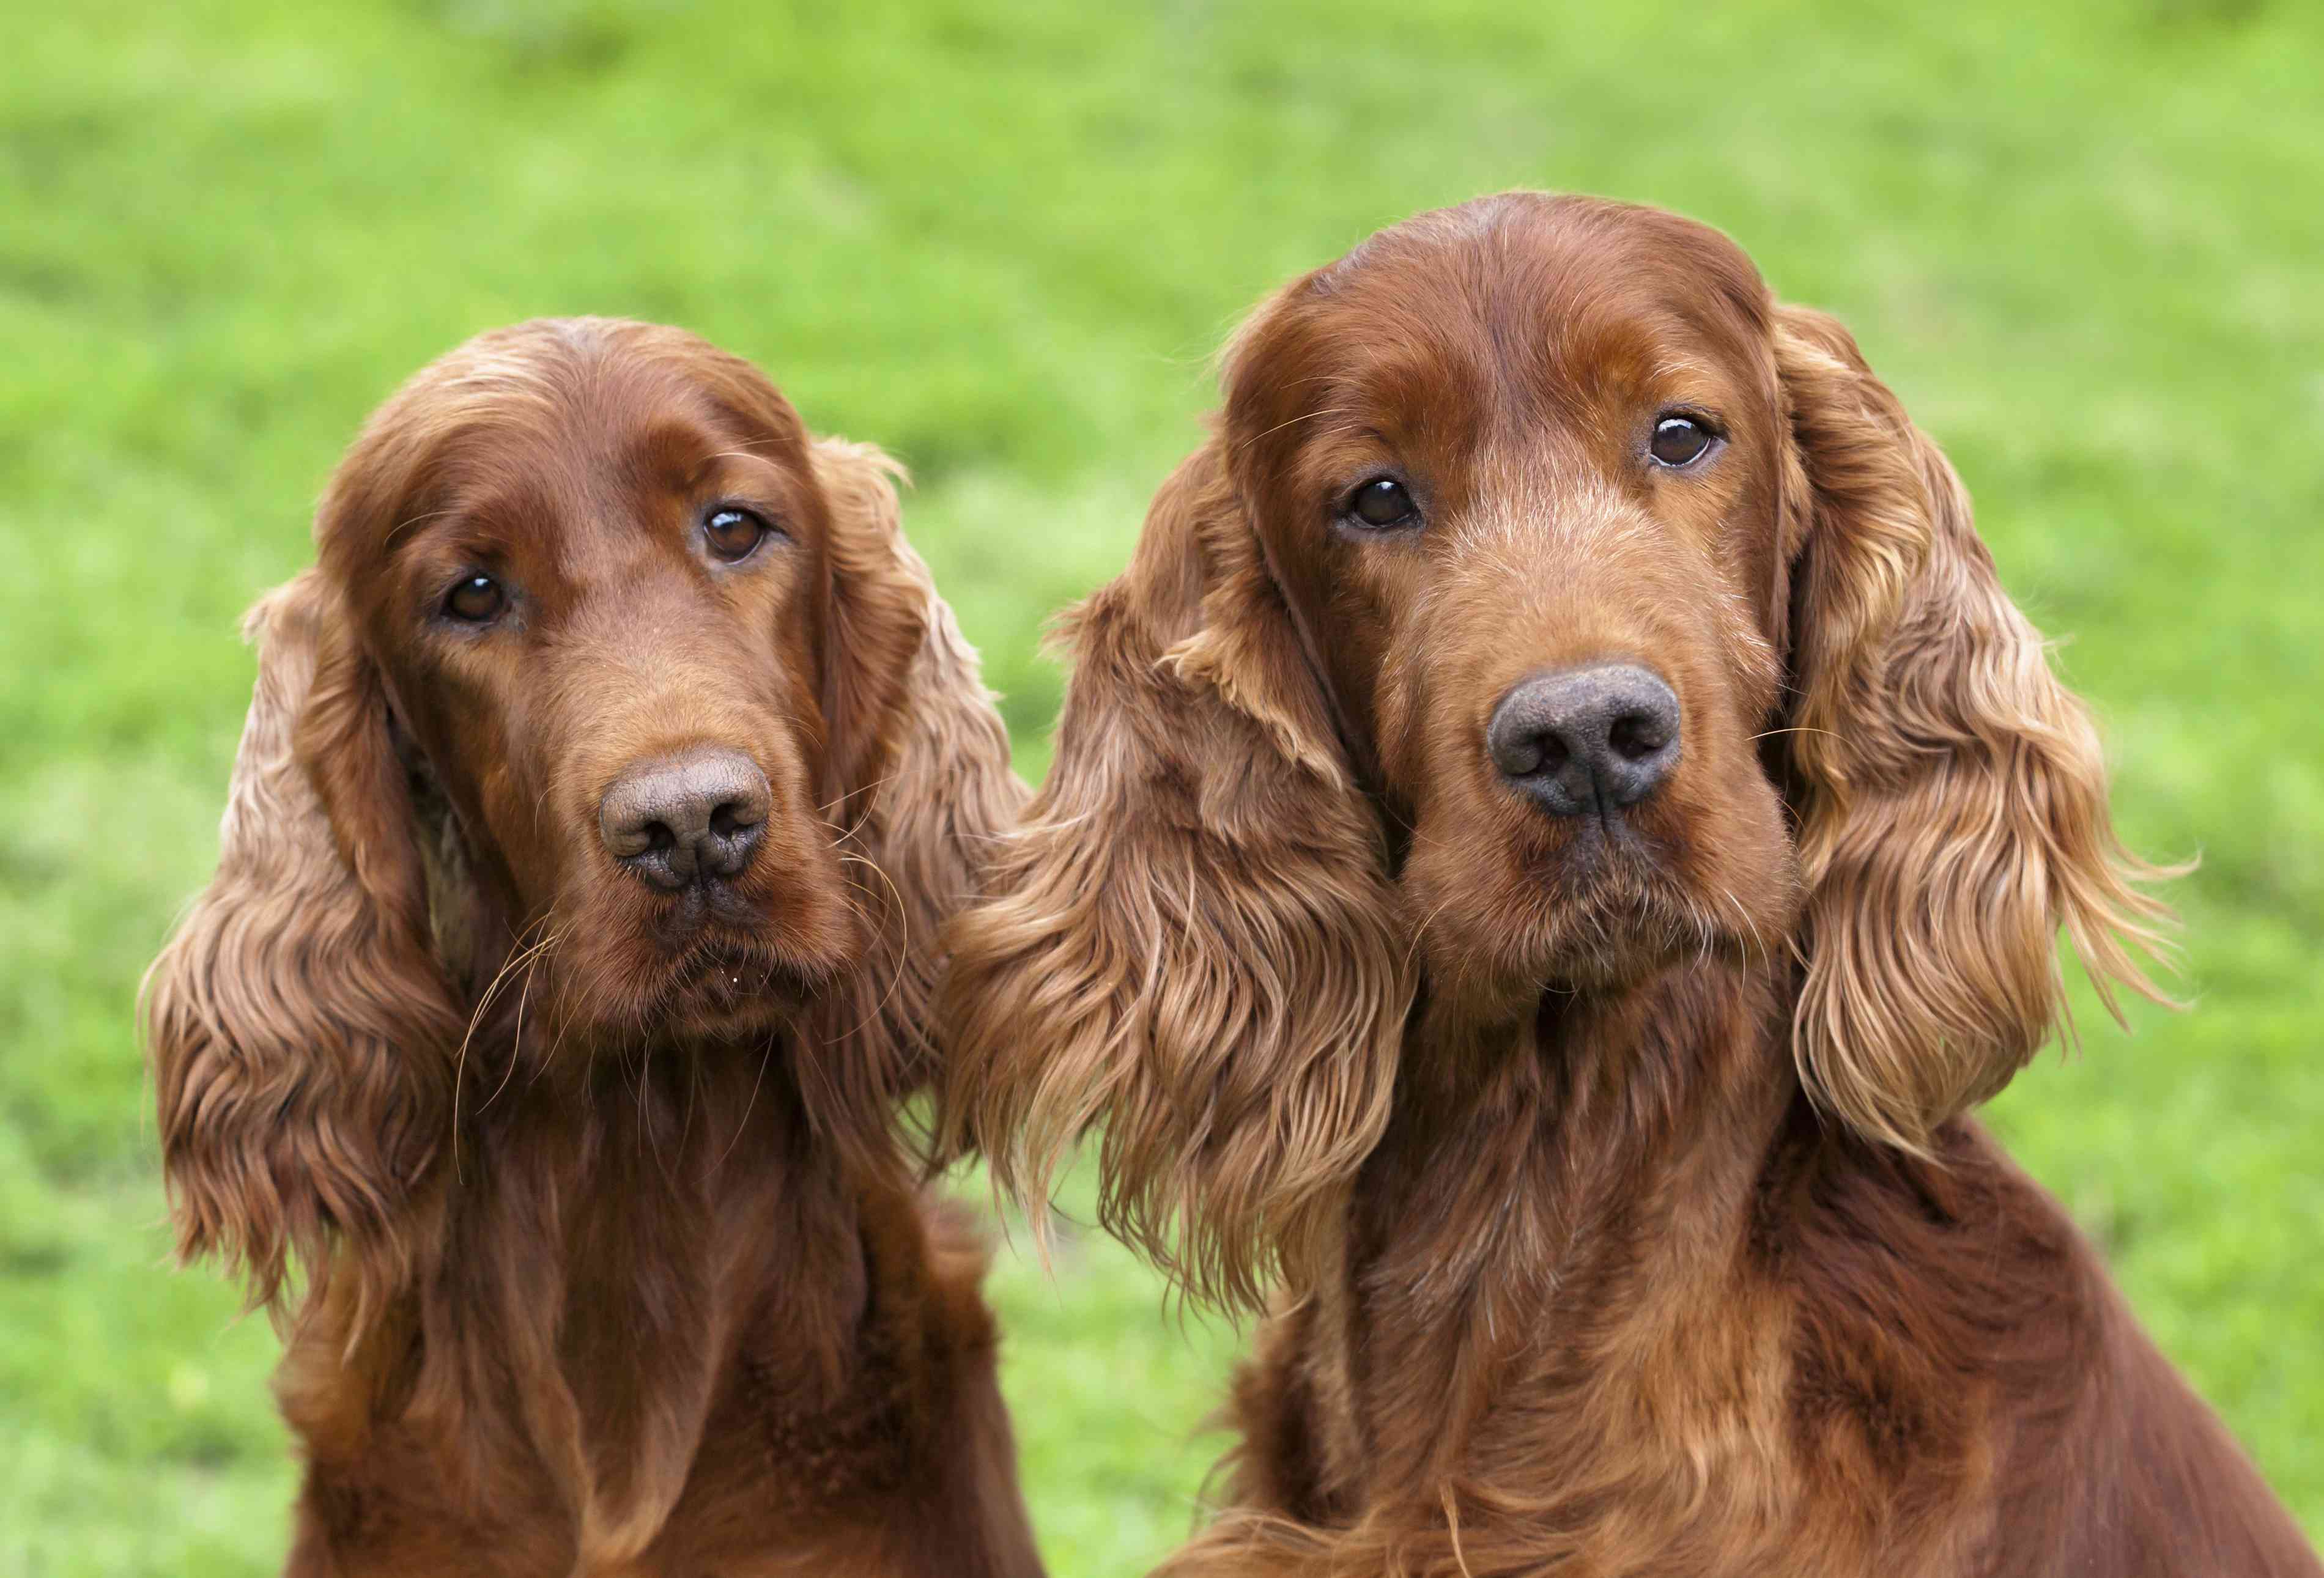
{"points": [[1382, 502], [1679, 441], [477, 601], [732, 534]]}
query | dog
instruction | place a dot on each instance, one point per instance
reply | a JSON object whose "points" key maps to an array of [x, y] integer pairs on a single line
{"points": [[533, 1051], [1550, 836]]}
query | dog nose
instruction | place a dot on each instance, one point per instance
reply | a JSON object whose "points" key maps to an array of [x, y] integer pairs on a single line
{"points": [[695, 816], [1582, 739]]}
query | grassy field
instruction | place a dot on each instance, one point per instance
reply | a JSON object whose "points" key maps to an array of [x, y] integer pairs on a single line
{"points": [[2083, 242]]}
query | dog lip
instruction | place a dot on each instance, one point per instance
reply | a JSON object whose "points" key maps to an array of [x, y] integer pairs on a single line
{"points": [[1596, 850], [680, 923], [728, 977], [720, 945], [731, 956]]}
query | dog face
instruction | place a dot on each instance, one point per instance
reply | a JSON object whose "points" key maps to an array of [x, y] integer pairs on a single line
{"points": [[1521, 473], [589, 571], [617, 714], [1550, 609]]}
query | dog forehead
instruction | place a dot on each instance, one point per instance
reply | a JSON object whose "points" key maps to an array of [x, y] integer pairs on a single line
{"points": [[556, 390], [1533, 244], [1527, 295], [579, 469]]}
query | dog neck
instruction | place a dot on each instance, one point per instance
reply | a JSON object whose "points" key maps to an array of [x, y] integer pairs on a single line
{"points": [[1548, 1188], [607, 1239], [1613, 1258]]}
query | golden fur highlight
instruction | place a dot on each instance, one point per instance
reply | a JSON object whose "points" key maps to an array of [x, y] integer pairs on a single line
{"points": [[1956, 807], [1611, 1174], [921, 804], [654, 1290], [300, 1033], [1192, 942]]}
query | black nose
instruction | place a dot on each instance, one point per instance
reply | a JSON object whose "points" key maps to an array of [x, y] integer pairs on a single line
{"points": [[1586, 740], [695, 816]]}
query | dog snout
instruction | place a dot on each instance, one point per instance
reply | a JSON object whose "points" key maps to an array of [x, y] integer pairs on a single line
{"points": [[697, 817], [1586, 741]]}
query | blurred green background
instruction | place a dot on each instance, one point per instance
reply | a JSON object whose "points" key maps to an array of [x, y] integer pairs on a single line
{"points": [[2083, 242]]}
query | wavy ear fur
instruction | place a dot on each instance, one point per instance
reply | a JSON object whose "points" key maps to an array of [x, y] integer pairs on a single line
{"points": [[922, 786], [297, 1026], [1192, 938], [1954, 793]]}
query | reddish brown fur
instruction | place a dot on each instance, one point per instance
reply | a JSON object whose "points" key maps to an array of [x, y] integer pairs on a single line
{"points": [[581, 1212], [1625, 1213]]}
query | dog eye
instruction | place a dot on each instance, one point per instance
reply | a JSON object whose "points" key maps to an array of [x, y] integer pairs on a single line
{"points": [[1382, 502], [1679, 441], [477, 601], [732, 534]]}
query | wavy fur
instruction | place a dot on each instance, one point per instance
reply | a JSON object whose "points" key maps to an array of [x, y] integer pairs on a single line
{"points": [[1955, 814], [301, 1030], [1194, 945], [1609, 1165], [591, 1253]]}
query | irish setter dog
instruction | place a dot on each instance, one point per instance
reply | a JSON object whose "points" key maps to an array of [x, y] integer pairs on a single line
{"points": [[1549, 836], [533, 1051]]}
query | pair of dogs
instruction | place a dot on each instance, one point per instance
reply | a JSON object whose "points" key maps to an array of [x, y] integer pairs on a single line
{"points": [[1552, 831]]}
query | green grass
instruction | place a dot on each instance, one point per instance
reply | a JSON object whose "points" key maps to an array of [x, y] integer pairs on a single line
{"points": [[2082, 242]]}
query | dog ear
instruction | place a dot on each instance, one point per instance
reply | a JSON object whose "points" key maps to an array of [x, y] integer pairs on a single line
{"points": [[922, 783], [1191, 939], [1952, 792], [297, 1026]]}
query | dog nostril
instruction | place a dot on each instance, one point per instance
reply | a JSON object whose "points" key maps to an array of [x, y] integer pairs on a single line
{"points": [[1636, 736], [659, 838], [734, 816], [1542, 753], [1519, 757]]}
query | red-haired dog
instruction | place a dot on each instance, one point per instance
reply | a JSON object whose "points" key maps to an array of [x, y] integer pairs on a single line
{"points": [[1550, 835], [534, 1050]]}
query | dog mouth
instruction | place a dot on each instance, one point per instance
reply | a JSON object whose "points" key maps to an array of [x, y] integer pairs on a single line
{"points": [[724, 986], [706, 922], [726, 977], [719, 976], [707, 961], [722, 946], [1610, 908], [1593, 862]]}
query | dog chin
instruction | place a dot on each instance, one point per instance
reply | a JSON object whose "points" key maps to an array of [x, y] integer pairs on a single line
{"points": [[1621, 923], [724, 989], [718, 987], [1623, 944], [706, 1015]]}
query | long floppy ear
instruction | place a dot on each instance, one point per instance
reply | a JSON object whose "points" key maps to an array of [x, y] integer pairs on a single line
{"points": [[1954, 793], [297, 1027], [1191, 939], [922, 786]]}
